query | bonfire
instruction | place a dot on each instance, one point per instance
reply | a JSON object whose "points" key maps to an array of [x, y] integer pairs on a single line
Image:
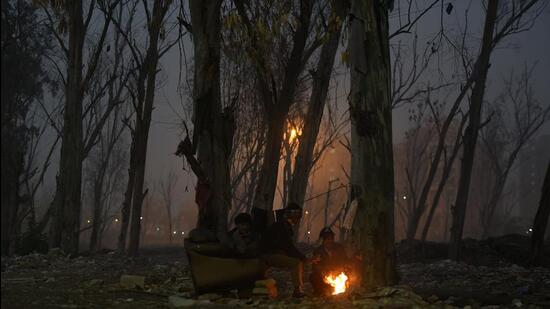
{"points": [[339, 282]]}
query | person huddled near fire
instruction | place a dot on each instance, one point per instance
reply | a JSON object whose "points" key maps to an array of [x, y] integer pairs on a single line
{"points": [[278, 249], [331, 264], [245, 241]]}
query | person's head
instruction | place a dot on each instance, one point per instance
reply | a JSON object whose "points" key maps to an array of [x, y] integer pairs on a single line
{"points": [[326, 236], [243, 222], [293, 213]]}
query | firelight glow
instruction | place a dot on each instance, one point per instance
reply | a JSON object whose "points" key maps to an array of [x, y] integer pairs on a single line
{"points": [[293, 134], [338, 283]]}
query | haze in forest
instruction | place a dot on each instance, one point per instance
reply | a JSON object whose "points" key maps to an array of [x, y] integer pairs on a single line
{"points": [[171, 181]]}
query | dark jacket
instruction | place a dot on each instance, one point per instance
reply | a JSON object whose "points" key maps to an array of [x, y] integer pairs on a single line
{"points": [[330, 259], [277, 239], [244, 246]]}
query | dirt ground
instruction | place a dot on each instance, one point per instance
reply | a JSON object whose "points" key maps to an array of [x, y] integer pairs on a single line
{"points": [[56, 281]]}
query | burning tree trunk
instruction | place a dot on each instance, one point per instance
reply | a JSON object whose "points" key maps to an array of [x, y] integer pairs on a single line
{"points": [[541, 219], [321, 79], [371, 143], [277, 101], [471, 133], [210, 136]]}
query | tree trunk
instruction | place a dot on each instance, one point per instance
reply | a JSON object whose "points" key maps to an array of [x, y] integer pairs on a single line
{"points": [[142, 133], [447, 169], [489, 209], [146, 97], [277, 107], [65, 226], [471, 133], [97, 214], [127, 203], [371, 141], [321, 80], [267, 177], [214, 144], [541, 219], [12, 168]]}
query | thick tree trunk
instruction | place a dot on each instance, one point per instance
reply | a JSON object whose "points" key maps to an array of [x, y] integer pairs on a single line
{"points": [[471, 133], [267, 177], [209, 132], [66, 220], [321, 79], [541, 219], [371, 141], [12, 168], [277, 104]]}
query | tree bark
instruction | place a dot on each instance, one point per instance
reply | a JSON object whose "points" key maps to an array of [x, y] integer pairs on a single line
{"points": [[65, 225], [127, 203], [209, 135], [97, 214], [12, 168], [471, 133], [447, 169], [146, 97], [371, 141], [267, 177], [321, 79], [277, 103], [541, 219]]}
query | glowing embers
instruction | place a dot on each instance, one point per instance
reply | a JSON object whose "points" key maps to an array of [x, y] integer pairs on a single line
{"points": [[339, 282]]}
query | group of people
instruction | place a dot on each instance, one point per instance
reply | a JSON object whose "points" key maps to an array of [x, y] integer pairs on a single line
{"points": [[276, 247]]}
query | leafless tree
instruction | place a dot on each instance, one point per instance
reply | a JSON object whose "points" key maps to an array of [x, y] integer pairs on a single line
{"points": [[279, 64], [97, 172], [71, 28], [321, 76], [540, 222], [145, 55], [167, 186], [503, 138], [510, 18]]}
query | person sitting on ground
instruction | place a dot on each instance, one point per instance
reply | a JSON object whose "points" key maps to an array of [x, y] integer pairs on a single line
{"points": [[245, 241], [330, 257], [278, 249]]}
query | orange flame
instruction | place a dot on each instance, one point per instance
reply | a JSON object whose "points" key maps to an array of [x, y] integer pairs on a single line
{"points": [[338, 283]]}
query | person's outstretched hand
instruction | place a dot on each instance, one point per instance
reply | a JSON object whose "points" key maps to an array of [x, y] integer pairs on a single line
{"points": [[314, 259]]}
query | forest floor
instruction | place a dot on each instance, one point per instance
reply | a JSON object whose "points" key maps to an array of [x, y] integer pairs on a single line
{"points": [[490, 280]]}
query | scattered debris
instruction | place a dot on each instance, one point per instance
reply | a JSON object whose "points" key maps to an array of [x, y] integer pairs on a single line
{"points": [[131, 281], [94, 283], [209, 296], [110, 281], [179, 302]]}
